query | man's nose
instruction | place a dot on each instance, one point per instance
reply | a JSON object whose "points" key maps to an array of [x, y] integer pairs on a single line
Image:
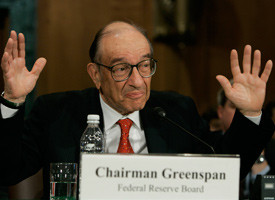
{"points": [[135, 79]]}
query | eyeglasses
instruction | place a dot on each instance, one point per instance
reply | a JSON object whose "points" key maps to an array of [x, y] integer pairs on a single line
{"points": [[122, 71]]}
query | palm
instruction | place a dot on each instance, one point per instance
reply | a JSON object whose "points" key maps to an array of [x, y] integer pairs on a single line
{"points": [[18, 80], [248, 94], [248, 90]]}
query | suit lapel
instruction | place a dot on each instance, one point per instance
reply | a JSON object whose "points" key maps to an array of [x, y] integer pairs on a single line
{"points": [[95, 108], [155, 139]]}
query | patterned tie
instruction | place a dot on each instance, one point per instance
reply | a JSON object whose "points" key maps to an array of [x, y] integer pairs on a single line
{"points": [[124, 144]]}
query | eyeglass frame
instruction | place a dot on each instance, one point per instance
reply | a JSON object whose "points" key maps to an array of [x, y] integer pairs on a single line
{"points": [[132, 67]]}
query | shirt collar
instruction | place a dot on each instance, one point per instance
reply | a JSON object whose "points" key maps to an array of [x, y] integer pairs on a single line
{"points": [[111, 116]]}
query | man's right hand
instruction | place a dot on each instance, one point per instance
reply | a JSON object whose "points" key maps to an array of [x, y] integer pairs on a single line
{"points": [[18, 80]]}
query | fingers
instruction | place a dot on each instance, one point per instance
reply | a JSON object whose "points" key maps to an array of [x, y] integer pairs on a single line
{"points": [[247, 59], [267, 71], [4, 63], [225, 83], [247, 63], [16, 46], [38, 66], [256, 63], [235, 68], [21, 44], [8, 49], [13, 36]]}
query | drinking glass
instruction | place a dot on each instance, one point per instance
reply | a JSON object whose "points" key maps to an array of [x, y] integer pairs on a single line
{"points": [[63, 181]]}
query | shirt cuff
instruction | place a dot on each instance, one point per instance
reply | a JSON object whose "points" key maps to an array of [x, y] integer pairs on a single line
{"points": [[7, 112], [256, 119]]}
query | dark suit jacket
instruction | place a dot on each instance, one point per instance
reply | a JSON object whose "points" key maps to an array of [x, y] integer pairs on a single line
{"points": [[52, 131], [270, 153]]}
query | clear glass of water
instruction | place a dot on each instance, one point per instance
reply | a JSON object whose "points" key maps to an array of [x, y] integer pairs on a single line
{"points": [[63, 181]]}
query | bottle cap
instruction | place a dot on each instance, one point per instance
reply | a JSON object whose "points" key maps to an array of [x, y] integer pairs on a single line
{"points": [[93, 119]]}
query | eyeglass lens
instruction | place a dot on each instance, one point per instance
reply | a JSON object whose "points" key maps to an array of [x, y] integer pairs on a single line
{"points": [[146, 68]]}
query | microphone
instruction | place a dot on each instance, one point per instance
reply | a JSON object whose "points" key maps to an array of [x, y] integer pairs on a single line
{"points": [[161, 113]]}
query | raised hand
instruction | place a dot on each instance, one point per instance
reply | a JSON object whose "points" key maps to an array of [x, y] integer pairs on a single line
{"points": [[248, 90], [18, 80]]}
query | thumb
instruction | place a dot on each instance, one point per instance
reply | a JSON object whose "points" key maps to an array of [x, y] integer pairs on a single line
{"points": [[225, 83], [38, 66]]}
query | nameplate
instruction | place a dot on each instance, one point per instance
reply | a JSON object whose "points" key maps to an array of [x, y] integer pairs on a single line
{"points": [[162, 177]]}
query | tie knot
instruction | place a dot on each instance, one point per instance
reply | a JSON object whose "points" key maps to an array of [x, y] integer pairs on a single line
{"points": [[125, 124]]}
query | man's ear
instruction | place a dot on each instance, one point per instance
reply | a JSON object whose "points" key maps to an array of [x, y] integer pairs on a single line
{"points": [[94, 73]]}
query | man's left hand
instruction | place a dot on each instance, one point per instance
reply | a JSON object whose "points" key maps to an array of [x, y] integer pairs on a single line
{"points": [[248, 90]]}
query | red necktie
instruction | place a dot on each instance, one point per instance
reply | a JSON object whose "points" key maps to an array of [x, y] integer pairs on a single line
{"points": [[124, 144]]}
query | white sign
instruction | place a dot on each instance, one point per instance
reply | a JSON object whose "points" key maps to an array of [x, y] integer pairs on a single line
{"points": [[136, 176]]}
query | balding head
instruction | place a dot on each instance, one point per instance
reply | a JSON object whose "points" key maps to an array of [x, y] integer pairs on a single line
{"points": [[118, 27], [113, 28]]}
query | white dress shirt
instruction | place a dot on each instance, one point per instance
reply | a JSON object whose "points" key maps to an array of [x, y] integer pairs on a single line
{"points": [[7, 112], [112, 130]]}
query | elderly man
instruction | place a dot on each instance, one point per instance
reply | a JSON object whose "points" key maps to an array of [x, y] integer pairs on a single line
{"points": [[121, 67]]}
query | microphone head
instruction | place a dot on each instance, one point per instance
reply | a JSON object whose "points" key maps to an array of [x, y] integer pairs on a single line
{"points": [[159, 111]]}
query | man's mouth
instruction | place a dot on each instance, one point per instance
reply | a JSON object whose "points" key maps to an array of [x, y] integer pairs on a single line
{"points": [[135, 94]]}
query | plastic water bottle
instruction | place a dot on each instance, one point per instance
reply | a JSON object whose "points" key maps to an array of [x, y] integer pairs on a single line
{"points": [[92, 140]]}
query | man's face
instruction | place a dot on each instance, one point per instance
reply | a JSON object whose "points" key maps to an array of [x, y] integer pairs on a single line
{"points": [[226, 114], [128, 46]]}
